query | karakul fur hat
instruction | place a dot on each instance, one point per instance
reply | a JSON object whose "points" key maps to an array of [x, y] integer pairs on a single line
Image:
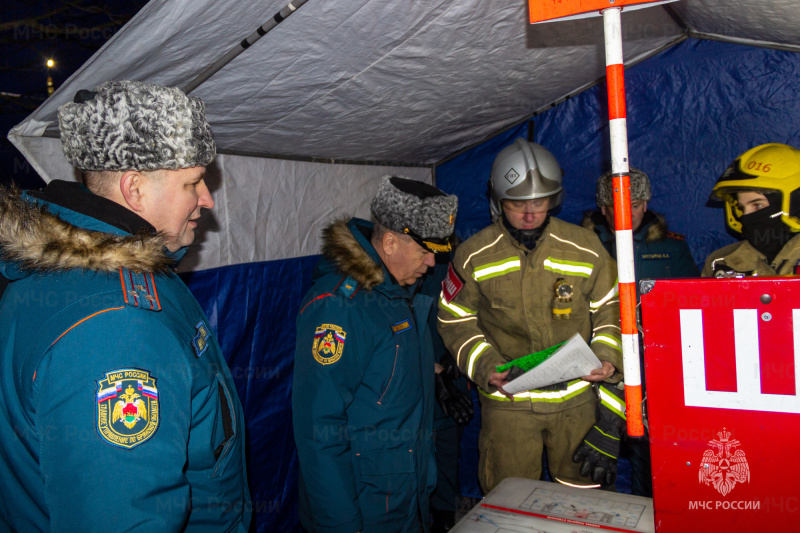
{"points": [[416, 209], [129, 125], [640, 188]]}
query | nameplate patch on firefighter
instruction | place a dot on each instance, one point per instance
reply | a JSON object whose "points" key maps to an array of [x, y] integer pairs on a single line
{"points": [[451, 285], [127, 407], [200, 340], [663, 255], [328, 343], [400, 327]]}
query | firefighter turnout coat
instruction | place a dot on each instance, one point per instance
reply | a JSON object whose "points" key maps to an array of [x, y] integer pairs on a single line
{"points": [[507, 308]]}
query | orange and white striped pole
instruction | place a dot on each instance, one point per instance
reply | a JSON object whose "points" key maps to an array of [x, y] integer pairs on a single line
{"points": [[622, 220]]}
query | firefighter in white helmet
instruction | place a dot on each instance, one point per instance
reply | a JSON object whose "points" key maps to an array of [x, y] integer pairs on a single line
{"points": [[761, 192], [525, 283]]}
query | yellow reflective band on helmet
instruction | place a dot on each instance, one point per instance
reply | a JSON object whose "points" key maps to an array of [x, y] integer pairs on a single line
{"points": [[569, 268], [594, 306], [476, 352], [610, 340], [455, 309], [612, 402], [498, 268], [574, 388]]}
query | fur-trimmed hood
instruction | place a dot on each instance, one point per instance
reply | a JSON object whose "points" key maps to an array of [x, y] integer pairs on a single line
{"points": [[654, 224], [35, 240], [346, 252]]}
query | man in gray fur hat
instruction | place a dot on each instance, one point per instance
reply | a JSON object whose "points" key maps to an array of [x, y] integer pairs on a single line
{"points": [[364, 370], [117, 400], [658, 253]]}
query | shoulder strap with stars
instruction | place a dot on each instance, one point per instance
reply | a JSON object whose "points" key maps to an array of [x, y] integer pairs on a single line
{"points": [[139, 289]]}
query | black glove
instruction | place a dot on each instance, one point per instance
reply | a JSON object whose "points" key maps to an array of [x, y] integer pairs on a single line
{"points": [[450, 367], [600, 447], [453, 402]]}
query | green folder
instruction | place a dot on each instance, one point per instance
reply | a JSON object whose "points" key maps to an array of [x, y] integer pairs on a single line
{"points": [[527, 362]]}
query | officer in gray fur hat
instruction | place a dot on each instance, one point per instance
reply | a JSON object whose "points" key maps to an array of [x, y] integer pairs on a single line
{"points": [[658, 253], [116, 392], [364, 370]]}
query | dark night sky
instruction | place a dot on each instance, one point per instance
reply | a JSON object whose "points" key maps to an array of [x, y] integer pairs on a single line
{"points": [[30, 33]]}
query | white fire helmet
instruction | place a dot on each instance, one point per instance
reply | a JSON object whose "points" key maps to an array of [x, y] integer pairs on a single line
{"points": [[525, 171]]}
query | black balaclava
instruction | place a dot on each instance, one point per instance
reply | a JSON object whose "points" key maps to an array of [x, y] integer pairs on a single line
{"points": [[526, 237], [764, 229]]}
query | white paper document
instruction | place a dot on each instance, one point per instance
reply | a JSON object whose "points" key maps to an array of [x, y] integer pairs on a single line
{"points": [[573, 360]]}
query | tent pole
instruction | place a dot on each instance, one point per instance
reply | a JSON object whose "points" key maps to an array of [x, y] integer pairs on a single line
{"points": [[261, 31], [622, 219]]}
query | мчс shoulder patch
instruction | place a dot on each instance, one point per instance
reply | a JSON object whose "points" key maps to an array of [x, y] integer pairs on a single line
{"points": [[328, 343], [451, 285], [127, 407]]}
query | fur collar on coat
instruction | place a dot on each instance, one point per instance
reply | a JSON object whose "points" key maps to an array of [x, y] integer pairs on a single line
{"points": [[343, 249], [36, 240]]}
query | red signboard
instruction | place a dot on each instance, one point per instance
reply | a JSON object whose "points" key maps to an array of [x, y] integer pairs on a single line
{"points": [[544, 10], [723, 403]]}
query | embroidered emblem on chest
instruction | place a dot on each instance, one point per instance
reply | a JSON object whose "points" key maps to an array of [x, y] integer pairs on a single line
{"points": [[127, 407], [328, 343]]}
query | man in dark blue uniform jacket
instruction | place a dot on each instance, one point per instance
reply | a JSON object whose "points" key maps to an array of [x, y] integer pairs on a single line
{"points": [[658, 253], [117, 409], [364, 370]]}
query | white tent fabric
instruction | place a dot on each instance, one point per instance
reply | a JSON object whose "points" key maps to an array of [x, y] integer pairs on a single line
{"points": [[400, 85]]}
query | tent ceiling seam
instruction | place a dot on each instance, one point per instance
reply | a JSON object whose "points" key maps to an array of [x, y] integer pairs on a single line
{"points": [[677, 19], [343, 83], [749, 42]]}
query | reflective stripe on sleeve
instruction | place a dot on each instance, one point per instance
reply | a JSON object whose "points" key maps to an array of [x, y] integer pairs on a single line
{"points": [[594, 306], [455, 320], [610, 340], [476, 352], [456, 310], [612, 402]]}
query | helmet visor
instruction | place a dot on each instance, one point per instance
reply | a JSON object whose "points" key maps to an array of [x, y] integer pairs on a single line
{"points": [[537, 205]]}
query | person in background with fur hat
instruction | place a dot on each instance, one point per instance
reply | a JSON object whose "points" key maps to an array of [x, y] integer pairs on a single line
{"points": [[658, 253], [364, 367], [117, 406]]}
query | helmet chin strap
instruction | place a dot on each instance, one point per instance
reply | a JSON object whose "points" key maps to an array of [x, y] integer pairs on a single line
{"points": [[526, 237], [765, 230]]}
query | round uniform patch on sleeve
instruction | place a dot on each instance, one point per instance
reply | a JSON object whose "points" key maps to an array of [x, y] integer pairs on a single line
{"points": [[328, 343], [127, 407]]}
